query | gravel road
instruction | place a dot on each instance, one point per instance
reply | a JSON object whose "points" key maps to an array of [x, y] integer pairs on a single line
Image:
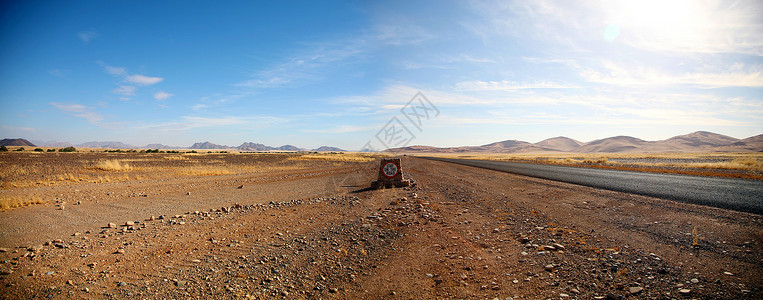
{"points": [[729, 193]]}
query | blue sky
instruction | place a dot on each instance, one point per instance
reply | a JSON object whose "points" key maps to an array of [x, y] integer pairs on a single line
{"points": [[335, 73]]}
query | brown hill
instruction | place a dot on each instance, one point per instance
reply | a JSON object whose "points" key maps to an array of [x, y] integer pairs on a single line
{"points": [[699, 139], [613, 144], [754, 143], [560, 143], [16, 142], [507, 144]]}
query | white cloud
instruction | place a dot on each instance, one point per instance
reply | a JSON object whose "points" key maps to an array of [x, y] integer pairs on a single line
{"points": [[126, 90], [80, 111], [133, 79], [198, 107], [87, 36], [162, 96], [143, 80]]}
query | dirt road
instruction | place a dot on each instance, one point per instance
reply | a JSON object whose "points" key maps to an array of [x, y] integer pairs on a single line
{"points": [[460, 232]]}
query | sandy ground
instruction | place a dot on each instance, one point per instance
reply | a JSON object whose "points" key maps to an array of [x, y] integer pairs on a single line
{"points": [[459, 232]]}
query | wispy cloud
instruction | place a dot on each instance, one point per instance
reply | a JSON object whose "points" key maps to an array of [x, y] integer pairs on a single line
{"points": [[80, 111], [142, 79], [196, 122], [162, 96], [345, 129], [126, 90], [639, 75], [56, 72], [504, 85], [87, 36], [311, 64], [131, 79]]}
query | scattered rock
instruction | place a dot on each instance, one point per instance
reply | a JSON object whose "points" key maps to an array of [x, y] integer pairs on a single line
{"points": [[111, 225], [684, 291], [122, 283], [635, 290], [728, 273], [129, 223], [549, 267], [694, 280]]}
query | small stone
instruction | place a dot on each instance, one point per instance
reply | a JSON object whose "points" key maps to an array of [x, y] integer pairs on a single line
{"points": [[515, 281], [122, 283], [69, 282], [684, 291], [50, 273], [86, 290], [575, 291], [694, 280], [120, 251], [151, 218], [430, 275], [559, 246], [728, 273], [129, 223], [241, 187], [76, 234], [635, 290], [563, 295], [4, 249], [283, 293], [549, 267], [333, 290], [112, 225], [181, 283]]}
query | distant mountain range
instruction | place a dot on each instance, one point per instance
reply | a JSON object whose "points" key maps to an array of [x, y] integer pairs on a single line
{"points": [[700, 141], [248, 146]]}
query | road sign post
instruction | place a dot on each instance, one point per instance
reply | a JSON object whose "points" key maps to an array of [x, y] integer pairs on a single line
{"points": [[390, 174]]}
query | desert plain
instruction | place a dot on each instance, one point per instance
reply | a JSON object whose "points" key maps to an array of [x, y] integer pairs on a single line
{"points": [[97, 225]]}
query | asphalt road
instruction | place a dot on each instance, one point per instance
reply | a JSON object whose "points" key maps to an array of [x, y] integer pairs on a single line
{"points": [[729, 193]]}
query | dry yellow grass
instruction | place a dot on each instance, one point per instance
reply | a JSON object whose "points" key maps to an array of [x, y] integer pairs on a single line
{"points": [[112, 165], [204, 171], [12, 170], [8, 202]]}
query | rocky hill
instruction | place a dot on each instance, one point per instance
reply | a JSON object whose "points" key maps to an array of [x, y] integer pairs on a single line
{"points": [[16, 142]]}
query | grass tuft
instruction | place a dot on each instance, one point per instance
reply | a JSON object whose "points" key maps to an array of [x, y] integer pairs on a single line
{"points": [[204, 171], [8, 202], [112, 165]]}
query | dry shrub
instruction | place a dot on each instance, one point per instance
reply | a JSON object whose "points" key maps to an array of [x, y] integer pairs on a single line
{"points": [[112, 165], [204, 171], [8, 202]]}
